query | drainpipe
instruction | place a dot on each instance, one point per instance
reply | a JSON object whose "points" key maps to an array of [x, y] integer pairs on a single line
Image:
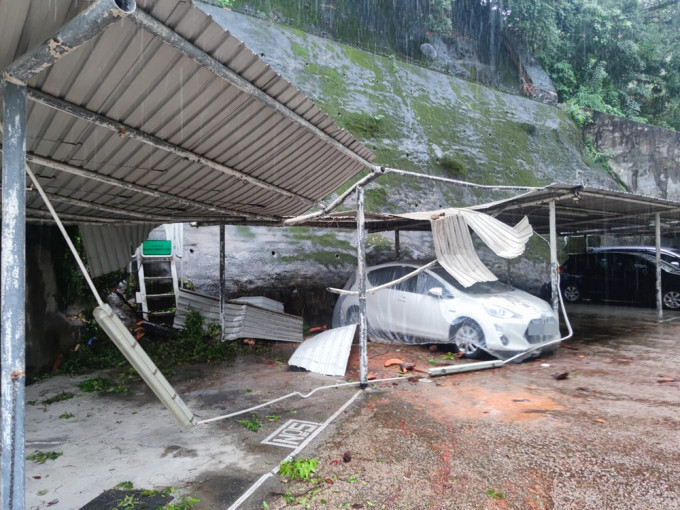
{"points": [[659, 298], [86, 25], [397, 247], [361, 278], [13, 275], [553, 259]]}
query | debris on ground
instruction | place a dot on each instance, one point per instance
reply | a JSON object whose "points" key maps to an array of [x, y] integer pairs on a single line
{"points": [[393, 361], [406, 367], [669, 379], [347, 457], [567, 346], [561, 376]]}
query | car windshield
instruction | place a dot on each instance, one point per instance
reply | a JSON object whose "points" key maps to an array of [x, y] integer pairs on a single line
{"points": [[666, 266], [478, 288]]}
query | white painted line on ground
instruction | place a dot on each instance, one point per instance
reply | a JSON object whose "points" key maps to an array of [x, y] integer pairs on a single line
{"points": [[264, 477]]}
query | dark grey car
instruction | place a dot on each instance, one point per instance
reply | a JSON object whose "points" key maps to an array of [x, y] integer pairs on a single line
{"points": [[619, 277]]}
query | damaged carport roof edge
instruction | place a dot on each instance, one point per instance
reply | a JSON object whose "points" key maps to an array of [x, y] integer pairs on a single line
{"points": [[569, 197]]}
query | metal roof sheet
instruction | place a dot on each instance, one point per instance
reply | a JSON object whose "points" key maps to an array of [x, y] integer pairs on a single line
{"points": [[162, 118], [326, 353]]}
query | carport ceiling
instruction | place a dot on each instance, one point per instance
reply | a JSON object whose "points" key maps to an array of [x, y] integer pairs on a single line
{"points": [[581, 211], [165, 117]]}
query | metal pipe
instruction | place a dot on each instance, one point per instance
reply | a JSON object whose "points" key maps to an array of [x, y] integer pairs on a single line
{"points": [[361, 277], [69, 243], [88, 174], [140, 136], [554, 282], [222, 278], [335, 203], [466, 184], [155, 27], [659, 292], [397, 247], [12, 307], [83, 27], [117, 211]]}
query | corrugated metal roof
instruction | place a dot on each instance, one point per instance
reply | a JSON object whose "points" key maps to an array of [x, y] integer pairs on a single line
{"points": [[130, 128], [326, 353]]}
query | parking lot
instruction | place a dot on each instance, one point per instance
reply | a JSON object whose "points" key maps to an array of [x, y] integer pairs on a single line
{"points": [[596, 425]]}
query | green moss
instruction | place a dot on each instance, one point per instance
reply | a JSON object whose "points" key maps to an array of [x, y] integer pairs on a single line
{"points": [[299, 50], [376, 199], [377, 240], [452, 165], [245, 232], [362, 125]]}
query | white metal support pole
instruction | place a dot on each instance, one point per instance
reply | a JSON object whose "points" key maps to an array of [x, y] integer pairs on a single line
{"points": [[659, 298], [361, 278], [223, 271], [553, 258], [13, 274]]}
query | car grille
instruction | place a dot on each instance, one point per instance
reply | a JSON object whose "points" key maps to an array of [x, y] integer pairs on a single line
{"points": [[541, 330]]}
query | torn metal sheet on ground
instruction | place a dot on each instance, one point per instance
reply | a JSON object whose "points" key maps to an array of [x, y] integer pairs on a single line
{"points": [[326, 353], [256, 317]]}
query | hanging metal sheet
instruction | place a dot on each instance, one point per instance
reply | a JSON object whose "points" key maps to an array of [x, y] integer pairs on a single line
{"points": [[109, 247]]}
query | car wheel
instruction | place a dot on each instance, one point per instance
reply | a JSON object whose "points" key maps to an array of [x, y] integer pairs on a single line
{"points": [[671, 300], [352, 316], [571, 293], [469, 338]]}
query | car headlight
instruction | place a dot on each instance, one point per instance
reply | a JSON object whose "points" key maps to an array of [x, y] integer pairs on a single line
{"points": [[500, 312]]}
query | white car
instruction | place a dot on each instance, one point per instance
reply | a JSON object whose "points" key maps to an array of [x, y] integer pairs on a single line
{"points": [[433, 308]]}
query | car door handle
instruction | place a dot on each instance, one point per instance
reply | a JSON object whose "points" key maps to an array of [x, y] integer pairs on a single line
{"points": [[402, 299]]}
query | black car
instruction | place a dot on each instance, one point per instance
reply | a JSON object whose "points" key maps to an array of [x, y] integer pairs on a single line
{"points": [[619, 277]]}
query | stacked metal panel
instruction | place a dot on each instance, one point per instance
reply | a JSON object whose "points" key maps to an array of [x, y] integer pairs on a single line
{"points": [[242, 320]]}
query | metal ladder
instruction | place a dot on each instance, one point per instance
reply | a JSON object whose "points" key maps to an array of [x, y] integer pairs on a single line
{"points": [[158, 285]]}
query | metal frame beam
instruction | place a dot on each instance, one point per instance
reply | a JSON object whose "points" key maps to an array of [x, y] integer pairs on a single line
{"points": [[13, 275], [129, 132], [361, 278], [659, 292], [88, 174], [83, 27], [554, 281]]}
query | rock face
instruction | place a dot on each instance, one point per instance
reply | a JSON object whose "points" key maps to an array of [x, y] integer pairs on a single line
{"points": [[413, 119], [646, 158]]}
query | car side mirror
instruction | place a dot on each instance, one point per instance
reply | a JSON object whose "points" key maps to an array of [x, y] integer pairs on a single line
{"points": [[437, 292]]}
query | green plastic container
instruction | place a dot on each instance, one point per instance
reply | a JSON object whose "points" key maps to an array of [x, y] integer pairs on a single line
{"points": [[157, 248]]}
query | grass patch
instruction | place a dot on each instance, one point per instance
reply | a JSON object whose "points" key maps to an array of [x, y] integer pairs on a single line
{"points": [[40, 457], [253, 423], [59, 397], [103, 385], [300, 469]]}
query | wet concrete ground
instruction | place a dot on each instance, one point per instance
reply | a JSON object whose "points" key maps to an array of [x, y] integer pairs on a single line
{"points": [[606, 436]]}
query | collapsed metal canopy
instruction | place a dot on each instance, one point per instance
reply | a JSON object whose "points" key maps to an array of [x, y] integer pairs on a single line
{"points": [[164, 117], [579, 211]]}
